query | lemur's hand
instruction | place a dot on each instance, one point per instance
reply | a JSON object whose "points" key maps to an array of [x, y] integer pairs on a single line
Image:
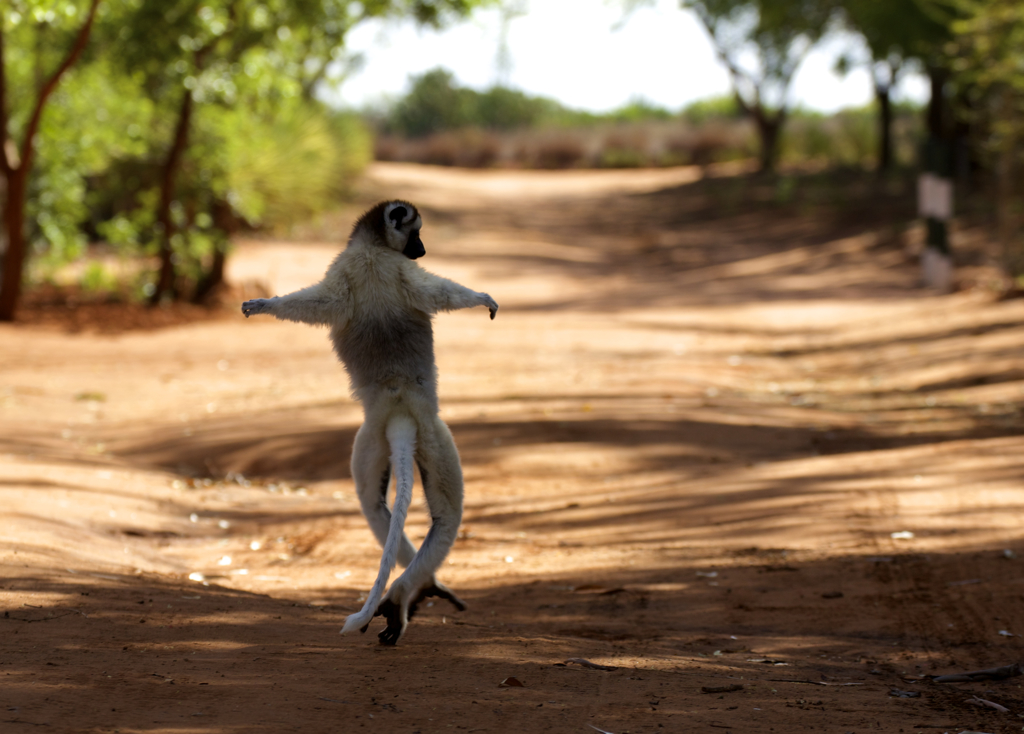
{"points": [[255, 306], [491, 304]]}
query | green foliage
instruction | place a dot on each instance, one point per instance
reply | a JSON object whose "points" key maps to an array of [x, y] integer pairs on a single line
{"points": [[37, 35], [722, 107], [291, 167], [989, 46], [435, 103], [639, 134], [639, 110], [898, 30], [988, 62], [96, 278], [501, 108], [242, 170], [762, 43], [622, 157], [258, 151], [94, 118], [848, 138]]}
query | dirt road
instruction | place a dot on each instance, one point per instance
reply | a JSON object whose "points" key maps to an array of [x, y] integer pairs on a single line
{"points": [[734, 453]]}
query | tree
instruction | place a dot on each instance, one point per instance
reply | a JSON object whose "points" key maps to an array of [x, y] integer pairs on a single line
{"points": [[896, 32], [196, 58], [777, 35], [207, 50], [202, 72], [988, 63], [434, 103], [24, 22]]}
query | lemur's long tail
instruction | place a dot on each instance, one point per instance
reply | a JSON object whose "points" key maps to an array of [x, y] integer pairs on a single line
{"points": [[401, 435]]}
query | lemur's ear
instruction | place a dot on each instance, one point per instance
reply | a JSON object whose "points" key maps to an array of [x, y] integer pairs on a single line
{"points": [[397, 215], [398, 224]]}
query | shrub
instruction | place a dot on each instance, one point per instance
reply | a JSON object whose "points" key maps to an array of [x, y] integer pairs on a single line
{"points": [[290, 168], [441, 123], [714, 108], [564, 150], [433, 104]]}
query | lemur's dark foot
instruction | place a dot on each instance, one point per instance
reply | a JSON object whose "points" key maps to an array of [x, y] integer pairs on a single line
{"points": [[396, 625], [439, 590], [398, 619]]}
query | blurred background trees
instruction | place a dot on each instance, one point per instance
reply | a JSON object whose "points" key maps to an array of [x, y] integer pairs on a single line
{"points": [[986, 61], [181, 122], [899, 34], [163, 127], [220, 73], [32, 35], [762, 43]]}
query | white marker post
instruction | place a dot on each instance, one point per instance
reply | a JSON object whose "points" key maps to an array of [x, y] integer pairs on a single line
{"points": [[935, 205]]}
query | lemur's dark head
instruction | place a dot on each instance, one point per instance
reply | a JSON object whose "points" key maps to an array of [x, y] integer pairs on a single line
{"points": [[396, 224]]}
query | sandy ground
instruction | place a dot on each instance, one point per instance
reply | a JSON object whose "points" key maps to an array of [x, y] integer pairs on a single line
{"points": [[741, 458]]}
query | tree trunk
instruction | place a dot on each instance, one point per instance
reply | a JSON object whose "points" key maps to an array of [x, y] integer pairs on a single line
{"points": [[936, 112], [16, 172], [165, 223], [1007, 221], [224, 220], [14, 256], [884, 128], [768, 129], [214, 276]]}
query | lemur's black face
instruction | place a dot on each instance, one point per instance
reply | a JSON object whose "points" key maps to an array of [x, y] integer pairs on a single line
{"points": [[414, 245]]}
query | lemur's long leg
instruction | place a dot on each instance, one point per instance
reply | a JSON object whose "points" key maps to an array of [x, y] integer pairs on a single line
{"points": [[371, 470], [441, 472], [442, 484], [401, 434]]}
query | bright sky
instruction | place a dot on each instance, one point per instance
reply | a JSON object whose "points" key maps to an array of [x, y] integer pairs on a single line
{"points": [[582, 54]]}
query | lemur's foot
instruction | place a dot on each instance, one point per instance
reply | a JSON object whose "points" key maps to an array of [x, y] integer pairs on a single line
{"points": [[397, 622], [398, 617], [440, 590]]}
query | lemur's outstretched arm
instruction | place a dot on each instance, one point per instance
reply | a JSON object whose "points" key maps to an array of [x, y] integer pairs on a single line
{"points": [[318, 304], [432, 293]]}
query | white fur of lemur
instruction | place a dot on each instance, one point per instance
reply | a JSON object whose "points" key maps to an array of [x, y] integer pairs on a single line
{"points": [[378, 304]]}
